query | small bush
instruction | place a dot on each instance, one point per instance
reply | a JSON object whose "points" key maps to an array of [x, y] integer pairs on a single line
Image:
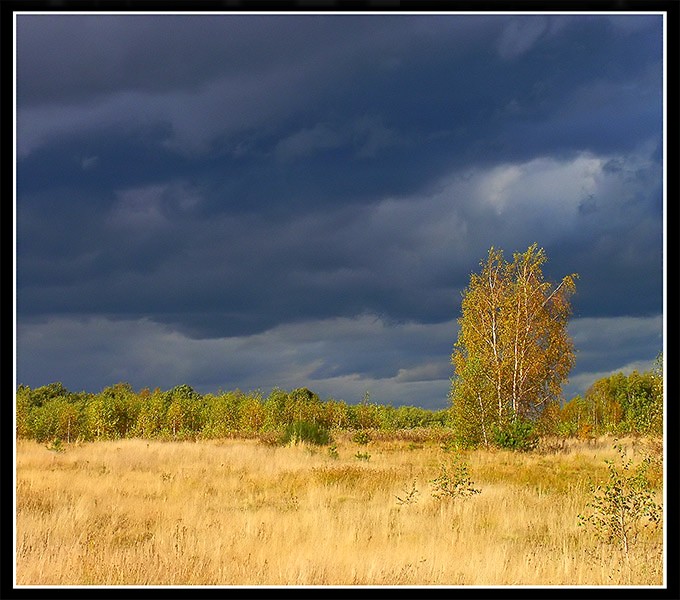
{"points": [[304, 431], [624, 505], [454, 481], [56, 446], [449, 445], [518, 434], [361, 437]]}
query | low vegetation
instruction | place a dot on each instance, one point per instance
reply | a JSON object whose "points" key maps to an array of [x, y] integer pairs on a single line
{"points": [[234, 512]]}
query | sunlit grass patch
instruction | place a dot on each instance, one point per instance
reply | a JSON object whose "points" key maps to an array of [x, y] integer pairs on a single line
{"points": [[237, 512]]}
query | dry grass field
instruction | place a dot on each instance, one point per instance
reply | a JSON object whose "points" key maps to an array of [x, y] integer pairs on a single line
{"points": [[242, 513]]}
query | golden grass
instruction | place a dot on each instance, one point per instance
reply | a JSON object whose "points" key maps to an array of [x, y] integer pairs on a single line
{"points": [[240, 513]]}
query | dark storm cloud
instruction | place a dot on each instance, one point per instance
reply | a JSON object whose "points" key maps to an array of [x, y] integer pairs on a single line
{"points": [[235, 181], [161, 53], [151, 251]]}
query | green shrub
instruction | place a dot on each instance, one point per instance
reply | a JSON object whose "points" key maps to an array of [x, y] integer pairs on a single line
{"points": [[449, 445], [56, 446], [518, 434], [333, 451], [361, 437], [454, 481], [622, 507], [304, 431]]}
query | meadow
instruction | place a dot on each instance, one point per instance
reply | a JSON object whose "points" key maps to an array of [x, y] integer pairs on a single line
{"points": [[240, 512]]}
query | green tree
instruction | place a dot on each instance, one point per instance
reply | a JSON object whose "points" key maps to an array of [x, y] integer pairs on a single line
{"points": [[276, 411], [335, 414], [627, 404], [603, 406], [657, 418], [251, 414], [305, 405], [152, 413], [473, 405], [48, 392], [549, 421], [575, 419], [23, 403], [122, 408], [56, 419], [283, 408], [638, 401], [185, 411], [513, 351], [100, 419], [221, 414], [365, 415]]}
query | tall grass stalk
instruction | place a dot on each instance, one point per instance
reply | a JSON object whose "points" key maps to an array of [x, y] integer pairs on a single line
{"points": [[238, 512]]}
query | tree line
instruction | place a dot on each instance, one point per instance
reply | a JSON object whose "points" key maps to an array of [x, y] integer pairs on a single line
{"points": [[52, 412], [617, 405]]}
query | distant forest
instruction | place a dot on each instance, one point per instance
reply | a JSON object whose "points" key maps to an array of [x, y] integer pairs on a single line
{"points": [[619, 405]]}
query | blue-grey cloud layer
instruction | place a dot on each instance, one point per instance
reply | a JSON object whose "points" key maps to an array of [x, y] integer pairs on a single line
{"points": [[229, 179]]}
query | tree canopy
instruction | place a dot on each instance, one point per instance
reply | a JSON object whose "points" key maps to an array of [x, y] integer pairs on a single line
{"points": [[513, 351]]}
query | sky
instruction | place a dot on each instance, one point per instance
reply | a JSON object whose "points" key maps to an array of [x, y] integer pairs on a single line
{"points": [[259, 201]]}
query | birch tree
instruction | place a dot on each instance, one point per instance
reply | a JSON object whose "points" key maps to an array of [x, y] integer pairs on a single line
{"points": [[513, 352]]}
